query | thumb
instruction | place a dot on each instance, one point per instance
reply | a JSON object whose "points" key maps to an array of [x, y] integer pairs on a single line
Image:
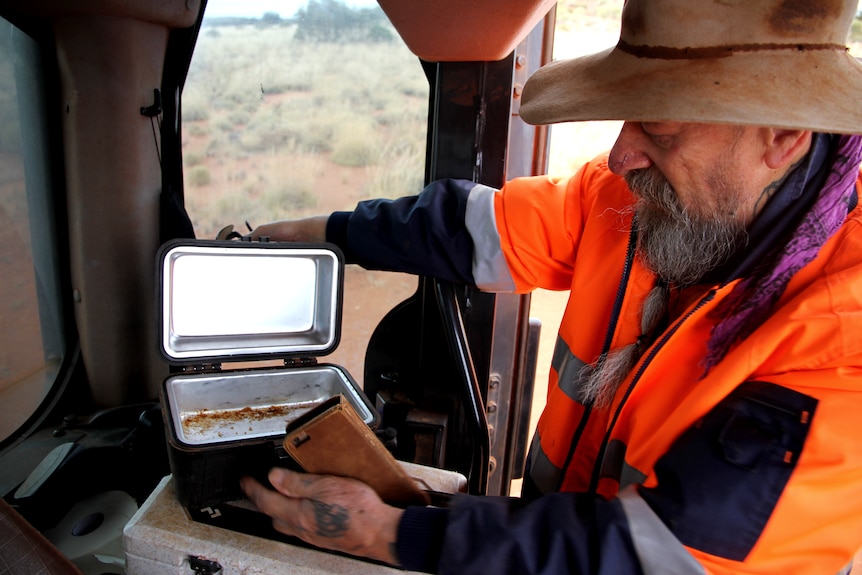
{"points": [[291, 483]]}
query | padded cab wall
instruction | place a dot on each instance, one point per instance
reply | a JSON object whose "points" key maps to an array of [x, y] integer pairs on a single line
{"points": [[111, 56]]}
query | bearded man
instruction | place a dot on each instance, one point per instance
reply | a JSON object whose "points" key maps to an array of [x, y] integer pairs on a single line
{"points": [[707, 377]]}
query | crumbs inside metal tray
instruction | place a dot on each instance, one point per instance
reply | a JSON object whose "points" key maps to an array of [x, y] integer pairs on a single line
{"points": [[215, 408], [207, 425]]}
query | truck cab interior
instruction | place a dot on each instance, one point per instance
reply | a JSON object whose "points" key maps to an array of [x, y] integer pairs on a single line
{"points": [[126, 125]]}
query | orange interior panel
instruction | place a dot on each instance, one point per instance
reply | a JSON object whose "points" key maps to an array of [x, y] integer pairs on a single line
{"points": [[458, 31]]}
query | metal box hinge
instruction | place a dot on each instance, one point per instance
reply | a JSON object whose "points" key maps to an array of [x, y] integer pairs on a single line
{"points": [[201, 367], [299, 361]]}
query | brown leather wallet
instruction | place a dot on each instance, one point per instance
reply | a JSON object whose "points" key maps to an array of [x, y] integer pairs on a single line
{"points": [[332, 439]]}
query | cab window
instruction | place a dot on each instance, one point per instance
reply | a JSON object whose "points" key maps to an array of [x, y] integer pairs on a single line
{"points": [[291, 114], [32, 343]]}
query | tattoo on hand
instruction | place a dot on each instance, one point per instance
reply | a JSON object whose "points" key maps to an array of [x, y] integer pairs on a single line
{"points": [[332, 520]]}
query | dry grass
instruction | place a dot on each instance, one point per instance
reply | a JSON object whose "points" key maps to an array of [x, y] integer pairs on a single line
{"points": [[264, 114]]}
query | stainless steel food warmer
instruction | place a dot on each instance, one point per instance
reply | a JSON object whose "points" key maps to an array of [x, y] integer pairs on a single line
{"points": [[238, 303]]}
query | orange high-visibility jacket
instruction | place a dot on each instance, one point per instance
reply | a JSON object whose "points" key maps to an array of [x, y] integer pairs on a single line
{"points": [[789, 397], [753, 467]]}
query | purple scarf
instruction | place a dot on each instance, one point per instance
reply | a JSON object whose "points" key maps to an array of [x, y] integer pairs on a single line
{"points": [[750, 302]]}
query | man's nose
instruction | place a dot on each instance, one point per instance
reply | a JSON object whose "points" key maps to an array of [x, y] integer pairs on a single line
{"points": [[627, 153]]}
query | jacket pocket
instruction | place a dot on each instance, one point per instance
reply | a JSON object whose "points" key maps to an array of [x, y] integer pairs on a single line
{"points": [[719, 482]]}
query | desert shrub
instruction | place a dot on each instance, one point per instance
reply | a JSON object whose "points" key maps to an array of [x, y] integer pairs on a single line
{"points": [[355, 145], [393, 183], [192, 158], [317, 136], [252, 142], [267, 138], [354, 152], [288, 200], [199, 176], [196, 130], [215, 147], [237, 118], [234, 208], [289, 197], [195, 113], [400, 172]]}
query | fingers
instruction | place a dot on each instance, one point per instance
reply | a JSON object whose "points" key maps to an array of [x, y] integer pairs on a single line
{"points": [[290, 483], [291, 489], [252, 489], [266, 500], [286, 512], [298, 485]]}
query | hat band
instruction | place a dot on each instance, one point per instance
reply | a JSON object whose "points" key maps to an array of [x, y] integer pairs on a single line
{"points": [[711, 52]]}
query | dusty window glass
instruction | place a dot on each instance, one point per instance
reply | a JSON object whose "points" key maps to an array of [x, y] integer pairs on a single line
{"points": [[292, 110], [31, 335]]}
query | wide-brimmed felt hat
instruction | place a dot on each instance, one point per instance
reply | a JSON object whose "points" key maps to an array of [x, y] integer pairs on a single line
{"points": [[781, 63]]}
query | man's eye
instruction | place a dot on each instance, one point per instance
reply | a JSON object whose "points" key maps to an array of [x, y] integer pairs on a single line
{"points": [[661, 141], [661, 133]]}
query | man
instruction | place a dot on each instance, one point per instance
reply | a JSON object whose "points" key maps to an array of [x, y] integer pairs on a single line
{"points": [[706, 383]]}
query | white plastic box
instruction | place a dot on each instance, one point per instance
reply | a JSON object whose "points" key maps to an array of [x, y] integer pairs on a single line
{"points": [[161, 539]]}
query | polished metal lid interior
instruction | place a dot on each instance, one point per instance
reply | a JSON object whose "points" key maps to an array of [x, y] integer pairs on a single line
{"points": [[234, 300]]}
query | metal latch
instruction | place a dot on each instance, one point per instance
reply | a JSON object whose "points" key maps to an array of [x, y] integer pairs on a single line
{"points": [[201, 566]]}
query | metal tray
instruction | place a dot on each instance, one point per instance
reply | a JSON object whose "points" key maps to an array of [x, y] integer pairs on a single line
{"points": [[209, 409]]}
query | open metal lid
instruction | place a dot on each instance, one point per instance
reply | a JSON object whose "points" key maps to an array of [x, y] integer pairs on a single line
{"points": [[237, 300]]}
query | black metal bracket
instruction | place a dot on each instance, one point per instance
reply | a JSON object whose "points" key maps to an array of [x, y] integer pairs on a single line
{"points": [[156, 108]]}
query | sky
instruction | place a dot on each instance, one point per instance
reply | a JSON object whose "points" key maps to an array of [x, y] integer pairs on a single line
{"points": [[257, 8]]}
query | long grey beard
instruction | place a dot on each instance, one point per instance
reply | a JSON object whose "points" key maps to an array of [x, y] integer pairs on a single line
{"points": [[680, 248]]}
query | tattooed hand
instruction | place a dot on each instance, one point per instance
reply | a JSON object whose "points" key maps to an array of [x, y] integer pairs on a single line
{"points": [[330, 512]]}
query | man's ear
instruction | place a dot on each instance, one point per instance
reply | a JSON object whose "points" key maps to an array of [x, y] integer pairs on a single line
{"points": [[785, 147]]}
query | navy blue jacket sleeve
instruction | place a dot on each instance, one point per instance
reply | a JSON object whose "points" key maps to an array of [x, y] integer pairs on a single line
{"points": [[423, 234], [557, 533]]}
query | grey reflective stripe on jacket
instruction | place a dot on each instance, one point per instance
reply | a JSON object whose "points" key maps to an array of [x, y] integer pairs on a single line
{"points": [[614, 465], [544, 474], [659, 552], [490, 271], [569, 369]]}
